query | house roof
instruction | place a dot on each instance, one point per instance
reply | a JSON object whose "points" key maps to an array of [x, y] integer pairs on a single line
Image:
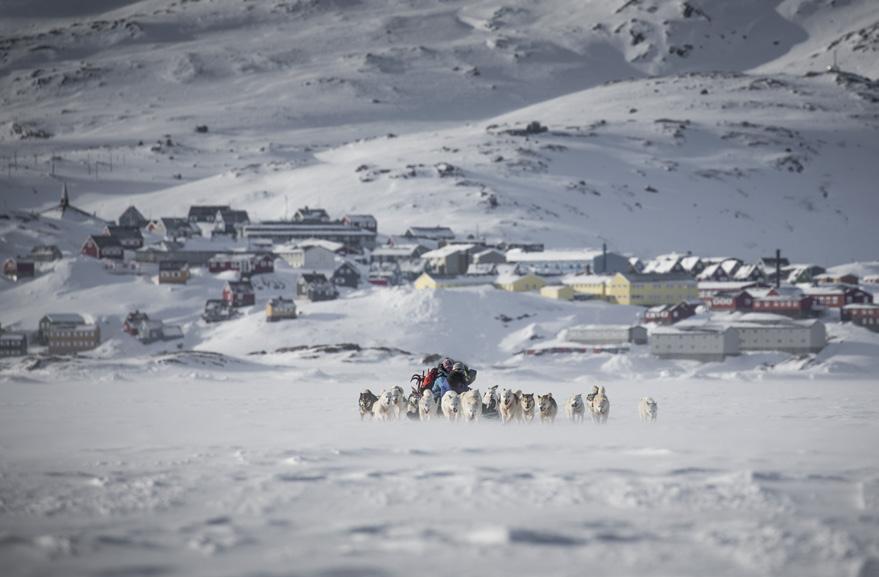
{"points": [[586, 278], [132, 212], [400, 250], [576, 255], [46, 248], [124, 232], [313, 277], [447, 250], [172, 331], [234, 216], [17, 337], [435, 232], [207, 210], [65, 318], [656, 277]]}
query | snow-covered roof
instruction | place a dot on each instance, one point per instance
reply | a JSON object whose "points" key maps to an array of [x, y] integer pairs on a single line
{"points": [[586, 278], [577, 255], [396, 250], [66, 318], [447, 250]]}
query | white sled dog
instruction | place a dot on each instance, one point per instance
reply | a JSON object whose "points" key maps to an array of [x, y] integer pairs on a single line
{"points": [[575, 408], [509, 406], [547, 407], [426, 405], [648, 409], [600, 407], [384, 408], [399, 401], [471, 405], [451, 404]]}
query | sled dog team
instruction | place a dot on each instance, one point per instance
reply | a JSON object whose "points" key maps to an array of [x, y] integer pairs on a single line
{"points": [[507, 407]]}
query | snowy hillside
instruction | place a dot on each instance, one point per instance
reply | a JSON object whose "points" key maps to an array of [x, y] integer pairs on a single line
{"points": [[710, 126]]}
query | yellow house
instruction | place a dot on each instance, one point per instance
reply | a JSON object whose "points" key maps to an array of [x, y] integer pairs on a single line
{"points": [[519, 284], [558, 291], [651, 289], [428, 281], [589, 284]]}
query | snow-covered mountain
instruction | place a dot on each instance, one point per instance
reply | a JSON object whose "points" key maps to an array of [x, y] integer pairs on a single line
{"points": [[664, 118]]}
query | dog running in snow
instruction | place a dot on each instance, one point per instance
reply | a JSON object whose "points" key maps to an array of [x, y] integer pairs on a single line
{"points": [[526, 406], [575, 408], [451, 405], [508, 406], [367, 400], [471, 405], [547, 407], [426, 405], [600, 407], [648, 409], [384, 408]]}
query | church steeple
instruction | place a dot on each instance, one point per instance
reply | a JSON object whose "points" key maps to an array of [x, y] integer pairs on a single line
{"points": [[65, 198]]}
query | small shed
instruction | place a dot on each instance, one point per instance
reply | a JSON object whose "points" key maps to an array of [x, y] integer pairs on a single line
{"points": [[279, 309]]}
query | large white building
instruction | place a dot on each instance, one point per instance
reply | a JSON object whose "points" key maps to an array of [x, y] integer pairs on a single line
{"points": [[767, 332], [311, 257], [606, 334], [565, 262], [699, 343]]}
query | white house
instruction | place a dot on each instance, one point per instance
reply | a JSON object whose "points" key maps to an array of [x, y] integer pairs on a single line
{"points": [[606, 334], [704, 343], [310, 257]]}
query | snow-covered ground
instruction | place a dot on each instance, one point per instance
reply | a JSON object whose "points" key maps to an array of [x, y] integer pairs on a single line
{"points": [[708, 126], [188, 466]]}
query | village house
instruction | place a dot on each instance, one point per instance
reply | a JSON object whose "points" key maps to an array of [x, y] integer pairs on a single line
{"points": [[65, 340], [57, 321], [103, 247], [244, 263], [45, 253], [311, 215], [354, 239], [692, 265], [132, 322], [450, 260], [669, 314], [870, 279], [759, 332], [834, 279], [836, 297], [398, 253], [279, 309], [749, 272], [704, 343], [664, 264], [429, 281], [173, 228], [385, 274], [588, 284], [129, 237], [433, 233], [364, 221], [787, 301], [565, 262], [239, 293], [730, 301], [18, 268], [650, 289], [127, 267], [316, 287], [217, 310], [13, 345], [804, 273], [519, 283], [864, 315], [173, 272], [488, 256], [206, 213], [346, 275], [132, 218], [606, 334], [708, 289], [310, 257], [558, 292], [150, 331]]}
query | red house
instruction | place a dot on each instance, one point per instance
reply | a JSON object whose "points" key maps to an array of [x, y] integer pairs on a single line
{"points": [[865, 315], [102, 247], [16, 268], [790, 305], [669, 314], [730, 301], [836, 297], [239, 293]]}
